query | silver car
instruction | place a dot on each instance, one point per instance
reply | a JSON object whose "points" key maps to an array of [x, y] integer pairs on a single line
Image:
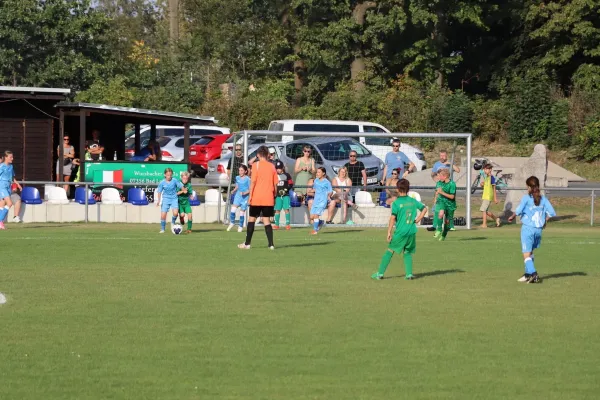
{"points": [[217, 169], [332, 153]]}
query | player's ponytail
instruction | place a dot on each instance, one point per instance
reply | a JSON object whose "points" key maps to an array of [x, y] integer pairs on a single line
{"points": [[533, 183]]}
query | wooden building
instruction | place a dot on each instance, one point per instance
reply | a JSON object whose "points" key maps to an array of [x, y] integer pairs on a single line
{"points": [[29, 125]]}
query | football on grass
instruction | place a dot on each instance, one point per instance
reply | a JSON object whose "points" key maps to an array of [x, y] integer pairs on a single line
{"points": [[176, 229]]}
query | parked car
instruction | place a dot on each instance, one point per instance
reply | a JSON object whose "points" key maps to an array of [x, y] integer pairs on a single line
{"points": [[217, 169], [332, 153], [227, 147], [378, 145], [164, 130], [172, 146], [207, 148]]}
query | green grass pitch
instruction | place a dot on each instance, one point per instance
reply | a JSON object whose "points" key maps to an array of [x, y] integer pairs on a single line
{"points": [[121, 312]]}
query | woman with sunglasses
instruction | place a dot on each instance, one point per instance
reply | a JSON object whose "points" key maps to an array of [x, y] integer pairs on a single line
{"points": [[67, 162], [305, 170], [392, 191]]}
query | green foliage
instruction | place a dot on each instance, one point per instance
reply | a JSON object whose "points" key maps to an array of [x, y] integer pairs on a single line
{"points": [[115, 92], [457, 114], [588, 141], [558, 129], [587, 78], [490, 119], [530, 106]]}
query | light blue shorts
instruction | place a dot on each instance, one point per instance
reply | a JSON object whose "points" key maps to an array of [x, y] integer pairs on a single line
{"points": [[317, 209], [169, 204], [241, 201], [4, 189], [531, 238]]}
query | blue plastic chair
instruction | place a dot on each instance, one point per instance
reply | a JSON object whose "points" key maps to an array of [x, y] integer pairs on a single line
{"points": [[31, 195], [80, 196], [382, 198], [137, 197], [194, 200], [294, 202]]}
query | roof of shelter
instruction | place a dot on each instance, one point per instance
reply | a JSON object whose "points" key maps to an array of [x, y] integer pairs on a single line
{"points": [[140, 115], [23, 92]]}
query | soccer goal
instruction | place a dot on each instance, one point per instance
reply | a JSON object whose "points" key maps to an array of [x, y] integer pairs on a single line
{"points": [[355, 163]]}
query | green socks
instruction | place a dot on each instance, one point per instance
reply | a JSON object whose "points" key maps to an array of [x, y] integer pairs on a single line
{"points": [[385, 261], [446, 229], [277, 218], [287, 219], [408, 263], [189, 225]]}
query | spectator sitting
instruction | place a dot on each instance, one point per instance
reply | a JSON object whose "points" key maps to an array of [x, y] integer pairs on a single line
{"points": [[342, 186], [15, 197], [392, 191], [148, 153]]}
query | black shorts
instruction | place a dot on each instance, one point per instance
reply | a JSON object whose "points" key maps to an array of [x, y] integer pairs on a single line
{"points": [[266, 211]]}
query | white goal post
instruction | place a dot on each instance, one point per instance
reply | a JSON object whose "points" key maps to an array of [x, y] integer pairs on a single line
{"points": [[400, 135]]}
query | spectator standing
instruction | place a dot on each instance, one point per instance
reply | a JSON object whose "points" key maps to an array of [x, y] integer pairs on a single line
{"points": [[396, 160], [263, 186], [444, 163], [304, 170], [67, 162], [96, 149], [235, 162], [356, 172], [489, 195]]}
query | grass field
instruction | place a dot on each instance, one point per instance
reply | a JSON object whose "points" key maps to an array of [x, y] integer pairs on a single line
{"points": [[121, 312]]}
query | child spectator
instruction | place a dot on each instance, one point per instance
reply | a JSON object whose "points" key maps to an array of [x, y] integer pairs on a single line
{"points": [[489, 195], [406, 213], [323, 191], [241, 193], [445, 204], [183, 198], [282, 201]]}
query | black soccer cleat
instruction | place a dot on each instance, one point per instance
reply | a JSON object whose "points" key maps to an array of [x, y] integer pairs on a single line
{"points": [[534, 278], [431, 228]]}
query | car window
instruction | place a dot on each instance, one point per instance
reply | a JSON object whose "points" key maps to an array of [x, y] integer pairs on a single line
{"points": [[204, 132], [325, 128], [294, 150], [373, 129], [172, 132], [315, 154], [204, 140], [377, 141], [340, 150], [163, 141]]}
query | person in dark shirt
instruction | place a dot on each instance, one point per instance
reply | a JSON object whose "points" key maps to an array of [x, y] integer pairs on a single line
{"points": [[236, 160], [356, 172], [282, 201]]}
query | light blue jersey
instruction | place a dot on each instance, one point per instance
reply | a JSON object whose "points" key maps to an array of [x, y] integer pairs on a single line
{"points": [[396, 161], [243, 185], [534, 216], [7, 174], [322, 189], [169, 189], [533, 219]]}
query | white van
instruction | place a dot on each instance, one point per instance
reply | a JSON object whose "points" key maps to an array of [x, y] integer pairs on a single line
{"points": [[378, 145]]}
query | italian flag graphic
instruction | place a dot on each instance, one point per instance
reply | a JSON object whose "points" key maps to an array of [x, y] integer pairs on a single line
{"points": [[109, 176]]}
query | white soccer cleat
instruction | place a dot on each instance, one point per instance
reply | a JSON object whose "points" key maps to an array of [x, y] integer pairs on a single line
{"points": [[16, 219], [524, 278], [244, 246], [240, 229], [272, 248], [162, 231], [229, 227]]}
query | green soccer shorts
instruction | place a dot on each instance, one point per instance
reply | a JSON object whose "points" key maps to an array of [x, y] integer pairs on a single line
{"points": [[404, 244], [185, 208], [282, 203]]}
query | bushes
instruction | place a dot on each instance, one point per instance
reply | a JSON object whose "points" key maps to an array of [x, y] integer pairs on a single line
{"points": [[588, 141], [490, 119], [558, 128], [457, 114]]}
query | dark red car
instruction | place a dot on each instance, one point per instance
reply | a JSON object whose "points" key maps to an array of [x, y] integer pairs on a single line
{"points": [[204, 150]]}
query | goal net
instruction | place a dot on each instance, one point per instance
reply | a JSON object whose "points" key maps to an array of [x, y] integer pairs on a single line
{"points": [[362, 169]]}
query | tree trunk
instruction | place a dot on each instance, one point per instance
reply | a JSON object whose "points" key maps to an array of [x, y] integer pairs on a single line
{"points": [[173, 21], [358, 68], [299, 75]]}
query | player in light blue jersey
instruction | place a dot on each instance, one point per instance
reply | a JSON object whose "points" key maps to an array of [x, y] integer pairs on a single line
{"points": [[7, 177], [534, 210], [241, 196], [167, 192], [323, 192]]}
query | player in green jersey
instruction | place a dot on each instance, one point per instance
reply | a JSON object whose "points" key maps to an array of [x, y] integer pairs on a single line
{"points": [[183, 196], [445, 204], [406, 213]]}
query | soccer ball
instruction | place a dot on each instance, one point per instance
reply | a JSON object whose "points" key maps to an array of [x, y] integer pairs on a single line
{"points": [[176, 229]]}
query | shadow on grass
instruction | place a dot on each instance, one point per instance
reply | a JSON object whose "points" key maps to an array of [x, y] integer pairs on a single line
{"points": [[563, 275], [473, 238], [308, 244], [563, 217], [27, 226], [339, 230], [432, 273]]}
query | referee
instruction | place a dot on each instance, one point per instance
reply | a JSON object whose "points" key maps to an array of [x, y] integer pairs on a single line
{"points": [[262, 196]]}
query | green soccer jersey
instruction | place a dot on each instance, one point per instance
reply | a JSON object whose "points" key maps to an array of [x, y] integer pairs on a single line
{"points": [[448, 188], [406, 210], [184, 198]]}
